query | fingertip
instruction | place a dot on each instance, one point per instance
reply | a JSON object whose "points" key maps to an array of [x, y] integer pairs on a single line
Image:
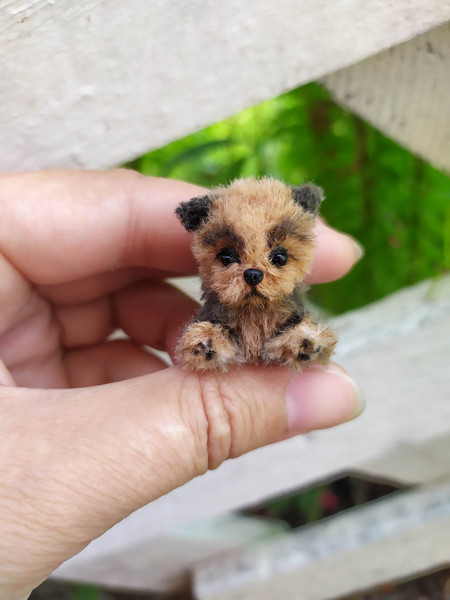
{"points": [[6, 379], [321, 398], [334, 256], [158, 235]]}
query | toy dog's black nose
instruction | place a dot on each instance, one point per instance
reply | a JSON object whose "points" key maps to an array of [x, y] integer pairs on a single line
{"points": [[253, 276]]}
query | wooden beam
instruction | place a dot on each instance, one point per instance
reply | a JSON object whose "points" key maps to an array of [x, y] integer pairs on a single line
{"points": [[386, 540], [404, 92], [165, 563], [96, 83]]}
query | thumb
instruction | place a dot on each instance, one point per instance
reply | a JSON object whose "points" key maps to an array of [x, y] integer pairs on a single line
{"points": [[81, 460]]}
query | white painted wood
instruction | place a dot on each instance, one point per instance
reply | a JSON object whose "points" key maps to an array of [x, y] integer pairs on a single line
{"points": [[165, 563], [393, 538], [95, 83], [404, 92], [398, 350]]}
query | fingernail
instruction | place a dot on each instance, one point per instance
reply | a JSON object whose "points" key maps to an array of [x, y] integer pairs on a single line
{"points": [[358, 249], [6, 378], [360, 401], [321, 398]]}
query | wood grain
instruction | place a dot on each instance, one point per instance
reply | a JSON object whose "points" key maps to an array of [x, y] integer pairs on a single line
{"points": [[404, 92], [96, 83], [389, 539]]}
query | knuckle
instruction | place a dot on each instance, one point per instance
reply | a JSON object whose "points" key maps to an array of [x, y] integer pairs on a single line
{"points": [[231, 415], [222, 417]]}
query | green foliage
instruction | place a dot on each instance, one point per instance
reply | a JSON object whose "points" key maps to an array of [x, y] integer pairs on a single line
{"points": [[85, 592], [392, 202], [297, 509]]}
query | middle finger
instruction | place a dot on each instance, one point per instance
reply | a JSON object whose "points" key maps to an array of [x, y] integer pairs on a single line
{"points": [[150, 312]]}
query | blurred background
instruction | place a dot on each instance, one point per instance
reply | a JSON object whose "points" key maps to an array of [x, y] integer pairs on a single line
{"points": [[376, 192], [375, 189]]}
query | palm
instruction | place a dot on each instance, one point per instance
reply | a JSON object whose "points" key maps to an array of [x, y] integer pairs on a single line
{"points": [[59, 336], [32, 346]]}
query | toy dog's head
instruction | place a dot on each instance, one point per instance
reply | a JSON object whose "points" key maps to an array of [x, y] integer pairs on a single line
{"points": [[254, 239]]}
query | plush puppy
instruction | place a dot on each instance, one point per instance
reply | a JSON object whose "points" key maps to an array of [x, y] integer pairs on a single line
{"points": [[253, 241]]}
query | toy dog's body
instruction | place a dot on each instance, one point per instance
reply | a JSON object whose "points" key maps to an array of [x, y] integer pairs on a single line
{"points": [[253, 242]]}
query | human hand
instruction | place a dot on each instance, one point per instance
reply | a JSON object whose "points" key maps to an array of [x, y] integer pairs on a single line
{"points": [[91, 429]]}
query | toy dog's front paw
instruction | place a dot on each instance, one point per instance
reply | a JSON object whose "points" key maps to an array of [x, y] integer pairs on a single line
{"points": [[316, 347], [300, 346], [207, 345]]}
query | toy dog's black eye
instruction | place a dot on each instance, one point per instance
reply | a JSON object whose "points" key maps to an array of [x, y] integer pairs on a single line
{"points": [[227, 256], [279, 257]]}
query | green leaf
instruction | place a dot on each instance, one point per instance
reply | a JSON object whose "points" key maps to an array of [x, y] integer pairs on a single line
{"points": [[196, 152], [85, 592]]}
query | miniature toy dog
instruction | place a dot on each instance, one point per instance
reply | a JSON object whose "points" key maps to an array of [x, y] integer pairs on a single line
{"points": [[253, 242]]}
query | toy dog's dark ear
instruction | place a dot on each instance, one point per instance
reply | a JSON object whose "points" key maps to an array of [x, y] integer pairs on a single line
{"points": [[308, 196], [194, 213]]}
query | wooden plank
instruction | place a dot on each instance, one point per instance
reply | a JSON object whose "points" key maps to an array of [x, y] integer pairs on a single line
{"points": [[394, 538], [405, 93], [96, 83], [398, 350], [165, 563]]}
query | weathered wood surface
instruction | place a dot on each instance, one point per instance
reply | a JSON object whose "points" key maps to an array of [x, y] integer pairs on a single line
{"points": [[398, 350], [93, 84], [393, 538], [164, 563], [404, 92]]}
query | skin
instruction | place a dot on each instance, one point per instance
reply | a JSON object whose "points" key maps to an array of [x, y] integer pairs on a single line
{"points": [[91, 429]]}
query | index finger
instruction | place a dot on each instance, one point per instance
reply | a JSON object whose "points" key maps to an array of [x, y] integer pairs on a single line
{"points": [[335, 253], [61, 226]]}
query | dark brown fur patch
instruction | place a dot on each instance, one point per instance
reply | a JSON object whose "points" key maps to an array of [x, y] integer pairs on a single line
{"points": [[224, 234], [293, 320], [282, 230], [308, 196], [194, 212]]}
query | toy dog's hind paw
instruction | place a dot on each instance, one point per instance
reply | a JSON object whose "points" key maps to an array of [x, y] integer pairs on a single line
{"points": [[205, 345], [299, 346]]}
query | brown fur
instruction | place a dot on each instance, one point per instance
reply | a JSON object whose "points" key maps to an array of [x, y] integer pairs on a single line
{"points": [[317, 345], [205, 345], [240, 322]]}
